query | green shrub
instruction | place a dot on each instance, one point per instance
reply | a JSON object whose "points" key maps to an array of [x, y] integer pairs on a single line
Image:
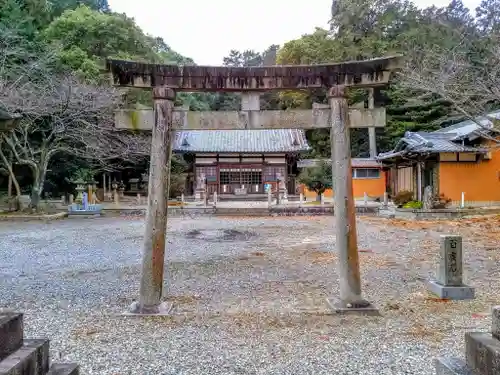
{"points": [[414, 204], [403, 197]]}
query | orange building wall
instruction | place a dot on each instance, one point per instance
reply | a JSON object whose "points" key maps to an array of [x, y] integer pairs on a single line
{"points": [[374, 187], [479, 181]]}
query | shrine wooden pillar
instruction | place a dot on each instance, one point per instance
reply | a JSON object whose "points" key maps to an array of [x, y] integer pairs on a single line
{"points": [[346, 244], [153, 259]]}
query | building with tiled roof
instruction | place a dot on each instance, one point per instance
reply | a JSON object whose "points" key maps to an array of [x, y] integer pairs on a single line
{"points": [[242, 161], [461, 159]]}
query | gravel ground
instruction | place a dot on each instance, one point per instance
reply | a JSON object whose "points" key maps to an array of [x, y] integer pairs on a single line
{"points": [[249, 295]]}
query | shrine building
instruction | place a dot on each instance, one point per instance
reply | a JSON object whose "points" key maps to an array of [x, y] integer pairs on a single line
{"points": [[241, 162]]}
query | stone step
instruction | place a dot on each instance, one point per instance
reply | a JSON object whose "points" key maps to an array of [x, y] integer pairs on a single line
{"points": [[451, 366], [482, 353], [11, 333], [30, 359], [64, 369]]}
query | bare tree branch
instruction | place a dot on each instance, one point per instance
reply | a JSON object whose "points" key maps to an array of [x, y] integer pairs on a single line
{"points": [[61, 114], [467, 75]]}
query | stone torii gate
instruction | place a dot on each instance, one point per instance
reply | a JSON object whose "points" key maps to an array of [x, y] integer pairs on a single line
{"points": [[166, 80]]}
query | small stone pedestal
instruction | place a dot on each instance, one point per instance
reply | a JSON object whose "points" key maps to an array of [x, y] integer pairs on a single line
{"points": [[199, 195], [482, 353], [449, 284]]}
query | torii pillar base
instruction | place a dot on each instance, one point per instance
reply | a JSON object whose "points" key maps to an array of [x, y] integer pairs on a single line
{"points": [[364, 308], [163, 309]]}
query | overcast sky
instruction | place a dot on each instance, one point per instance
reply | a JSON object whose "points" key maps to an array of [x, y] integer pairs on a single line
{"points": [[207, 30]]}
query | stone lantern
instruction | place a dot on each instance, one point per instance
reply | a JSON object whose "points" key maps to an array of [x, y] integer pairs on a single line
{"points": [[80, 188], [121, 188]]}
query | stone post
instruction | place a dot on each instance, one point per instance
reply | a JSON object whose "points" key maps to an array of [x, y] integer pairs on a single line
{"points": [[71, 199], [449, 284], [372, 138], [182, 198], [278, 181], [301, 199], [139, 200], [482, 352], [365, 199], [205, 194], [386, 200], [345, 220], [322, 198], [104, 185], [269, 197], [495, 322], [215, 198], [115, 196], [151, 288]]}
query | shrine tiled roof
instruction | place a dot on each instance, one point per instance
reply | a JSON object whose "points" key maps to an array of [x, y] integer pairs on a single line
{"points": [[428, 143], [449, 139], [240, 141], [355, 163]]}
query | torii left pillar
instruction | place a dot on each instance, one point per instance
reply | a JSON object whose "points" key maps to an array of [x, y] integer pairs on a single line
{"points": [[153, 257], [350, 298]]}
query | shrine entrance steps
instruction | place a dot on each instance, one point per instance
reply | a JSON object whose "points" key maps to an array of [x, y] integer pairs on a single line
{"points": [[19, 356]]}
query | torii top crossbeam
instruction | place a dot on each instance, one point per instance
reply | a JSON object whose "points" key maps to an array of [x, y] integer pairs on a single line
{"points": [[364, 73]]}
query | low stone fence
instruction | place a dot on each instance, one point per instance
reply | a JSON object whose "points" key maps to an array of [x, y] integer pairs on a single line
{"points": [[281, 210], [445, 213], [32, 217], [172, 211], [315, 210]]}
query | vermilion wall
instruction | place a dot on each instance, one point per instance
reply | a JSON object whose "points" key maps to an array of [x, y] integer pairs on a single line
{"points": [[374, 187], [479, 181]]}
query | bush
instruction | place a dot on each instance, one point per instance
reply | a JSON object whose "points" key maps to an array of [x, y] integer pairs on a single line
{"points": [[403, 197], [440, 201], [414, 204], [177, 184]]}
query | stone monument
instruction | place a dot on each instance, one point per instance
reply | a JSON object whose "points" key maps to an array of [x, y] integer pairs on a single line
{"points": [[449, 284], [199, 193], [482, 352], [427, 199], [285, 196]]}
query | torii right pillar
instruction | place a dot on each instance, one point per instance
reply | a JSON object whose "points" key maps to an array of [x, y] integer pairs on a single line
{"points": [[350, 298]]}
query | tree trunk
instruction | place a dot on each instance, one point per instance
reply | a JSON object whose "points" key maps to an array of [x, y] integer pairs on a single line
{"points": [[12, 181], [35, 198], [39, 174]]}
